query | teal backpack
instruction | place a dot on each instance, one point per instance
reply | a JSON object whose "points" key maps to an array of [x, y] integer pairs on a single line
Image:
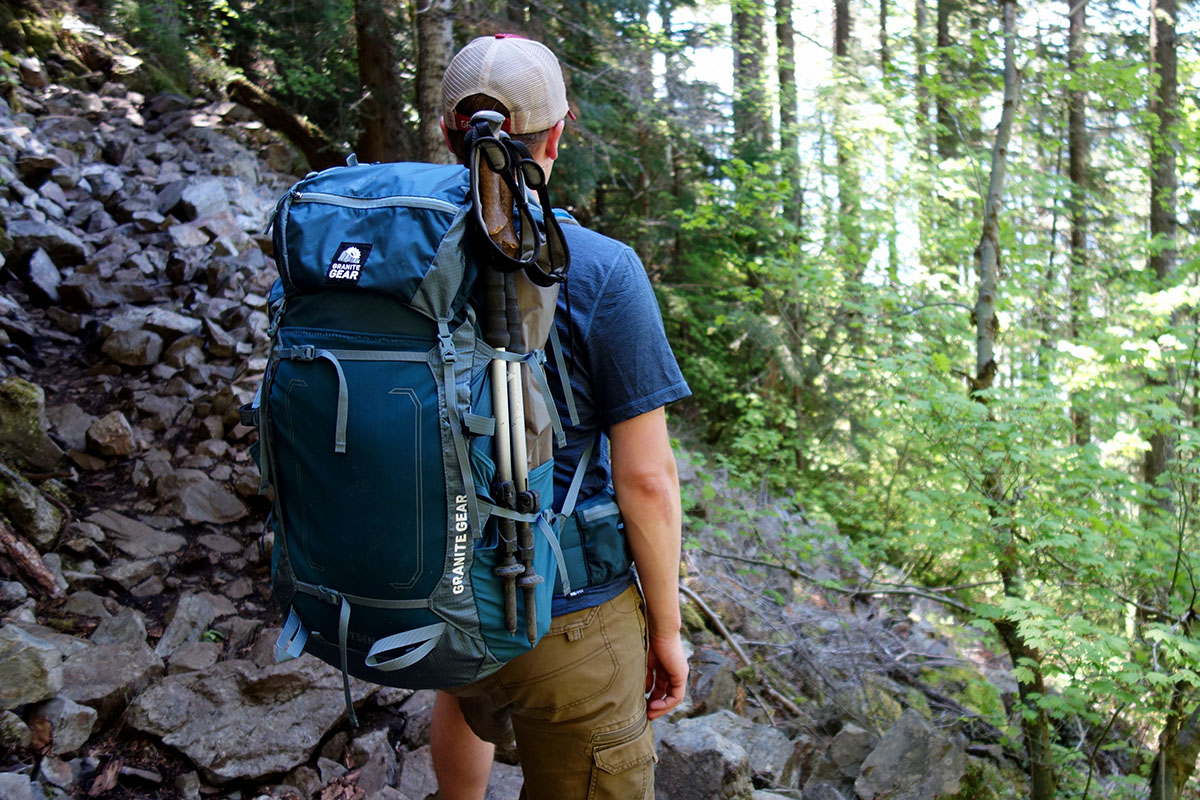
{"points": [[375, 432]]}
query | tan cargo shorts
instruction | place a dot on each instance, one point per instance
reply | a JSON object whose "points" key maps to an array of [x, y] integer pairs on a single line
{"points": [[576, 705]]}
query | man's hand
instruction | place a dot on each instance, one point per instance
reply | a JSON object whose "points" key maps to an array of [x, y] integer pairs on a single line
{"points": [[666, 675]]}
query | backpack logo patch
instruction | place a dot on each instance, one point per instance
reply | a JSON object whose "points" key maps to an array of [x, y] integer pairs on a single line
{"points": [[347, 264]]}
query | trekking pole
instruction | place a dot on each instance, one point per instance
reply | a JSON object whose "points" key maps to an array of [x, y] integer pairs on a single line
{"points": [[496, 209], [526, 499]]}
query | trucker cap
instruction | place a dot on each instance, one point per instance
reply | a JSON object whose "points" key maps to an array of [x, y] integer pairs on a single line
{"points": [[520, 73]]}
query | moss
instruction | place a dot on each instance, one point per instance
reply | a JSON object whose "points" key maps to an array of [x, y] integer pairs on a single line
{"points": [[40, 36], [969, 688], [12, 35], [983, 780], [150, 79], [693, 619]]}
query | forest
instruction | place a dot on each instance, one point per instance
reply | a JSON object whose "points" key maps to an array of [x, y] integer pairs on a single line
{"points": [[930, 267]]}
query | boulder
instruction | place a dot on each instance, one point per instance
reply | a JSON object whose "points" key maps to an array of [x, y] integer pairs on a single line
{"points": [[28, 510], [31, 670], [23, 423], [71, 724], [60, 243], [111, 435], [14, 735], [195, 497], [105, 677], [70, 424], [374, 755], [44, 276], [136, 539], [912, 761], [139, 348], [237, 720], [16, 786], [188, 621], [770, 747], [698, 763], [842, 760], [128, 627]]}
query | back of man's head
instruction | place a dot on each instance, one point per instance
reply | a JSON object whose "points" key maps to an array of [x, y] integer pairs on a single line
{"points": [[518, 77]]}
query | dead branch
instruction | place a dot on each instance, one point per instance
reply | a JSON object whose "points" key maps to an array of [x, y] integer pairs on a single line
{"points": [[25, 558], [320, 151]]}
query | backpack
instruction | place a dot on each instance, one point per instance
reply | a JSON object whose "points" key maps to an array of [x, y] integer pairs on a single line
{"points": [[375, 432]]}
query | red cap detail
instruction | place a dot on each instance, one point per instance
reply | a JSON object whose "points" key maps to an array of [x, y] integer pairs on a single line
{"points": [[463, 123]]}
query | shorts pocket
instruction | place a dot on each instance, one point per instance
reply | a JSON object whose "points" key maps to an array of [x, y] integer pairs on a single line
{"points": [[623, 768]]}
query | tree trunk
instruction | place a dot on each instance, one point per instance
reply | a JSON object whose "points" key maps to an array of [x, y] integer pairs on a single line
{"points": [[789, 140], [1179, 741], [381, 110], [1035, 726], [434, 43], [885, 58], [947, 137], [751, 125], [849, 189], [1077, 145]]}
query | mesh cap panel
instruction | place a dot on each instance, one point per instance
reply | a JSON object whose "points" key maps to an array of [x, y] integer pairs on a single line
{"points": [[521, 73]]}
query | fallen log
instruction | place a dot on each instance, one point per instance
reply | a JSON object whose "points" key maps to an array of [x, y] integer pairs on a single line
{"points": [[320, 151], [28, 563]]}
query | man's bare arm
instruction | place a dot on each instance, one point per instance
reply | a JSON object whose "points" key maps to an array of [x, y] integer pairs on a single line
{"points": [[647, 489]]}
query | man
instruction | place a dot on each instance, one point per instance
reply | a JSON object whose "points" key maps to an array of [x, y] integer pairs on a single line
{"points": [[580, 702]]}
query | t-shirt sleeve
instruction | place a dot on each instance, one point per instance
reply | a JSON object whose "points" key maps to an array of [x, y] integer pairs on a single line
{"points": [[632, 366]]}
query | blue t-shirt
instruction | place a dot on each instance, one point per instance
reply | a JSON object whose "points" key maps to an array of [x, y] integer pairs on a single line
{"points": [[620, 366]]}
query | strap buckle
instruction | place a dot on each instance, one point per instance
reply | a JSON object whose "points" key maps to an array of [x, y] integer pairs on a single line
{"points": [[446, 343], [327, 595], [304, 352]]}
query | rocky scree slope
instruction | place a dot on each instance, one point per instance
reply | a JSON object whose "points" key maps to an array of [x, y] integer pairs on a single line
{"points": [[136, 640]]}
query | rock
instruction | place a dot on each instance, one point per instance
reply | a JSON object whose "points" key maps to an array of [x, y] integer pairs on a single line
{"points": [[23, 423], [128, 627], [770, 747], [187, 235], [106, 676], [33, 75], [193, 657], [44, 276], [111, 435], [170, 325], [712, 685], [32, 668], [129, 573], [374, 755], [28, 510], [822, 791], [418, 714], [70, 424], [912, 762], [195, 198], [12, 593], [86, 604], [194, 496], [842, 760], [416, 777], [14, 735], [134, 348], [188, 620], [63, 246], [15, 786], [65, 644], [71, 724], [696, 762], [240, 721], [136, 539]]}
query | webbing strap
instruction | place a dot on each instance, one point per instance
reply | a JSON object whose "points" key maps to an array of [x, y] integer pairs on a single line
{"points": [[560, 363], [310, 353], [343, 631], [380, 355], [536, 359], [291, 640], [480, 425], [427, 637], [446, 344], [577, 481], [492, 510], [544, 526], [332, 597]]}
